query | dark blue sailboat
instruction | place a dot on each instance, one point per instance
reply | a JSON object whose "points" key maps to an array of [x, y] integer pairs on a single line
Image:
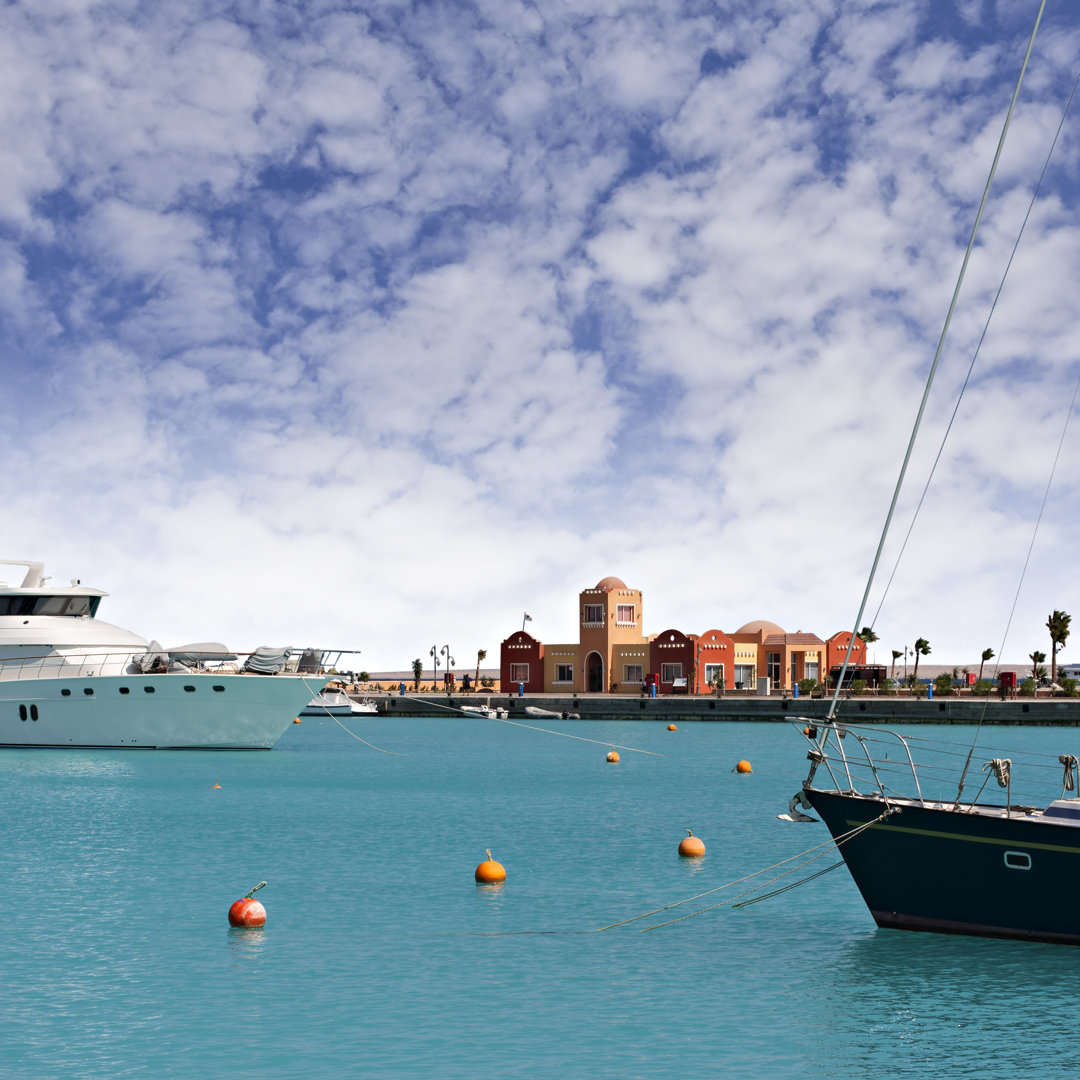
{"points": [[960, 867]]}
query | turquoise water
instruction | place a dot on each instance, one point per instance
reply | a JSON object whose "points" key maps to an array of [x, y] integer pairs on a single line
{"points": [[382, 958]]}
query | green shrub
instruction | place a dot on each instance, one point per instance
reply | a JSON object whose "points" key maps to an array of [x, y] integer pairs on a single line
{"points": [[943, 684], [807, 686], [1027, 687], [1068, 685], [919, 688], [983, 687], [858, 687]]}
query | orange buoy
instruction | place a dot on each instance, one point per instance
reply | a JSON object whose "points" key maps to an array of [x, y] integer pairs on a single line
{"points": [[298, 721], [613, 755], [691, 846], [742, 766], [672, 727], [214, 785], [247, 913], [490, 872]]}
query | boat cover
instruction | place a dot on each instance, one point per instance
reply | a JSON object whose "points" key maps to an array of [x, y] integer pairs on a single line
{"points": [[267, 660]]}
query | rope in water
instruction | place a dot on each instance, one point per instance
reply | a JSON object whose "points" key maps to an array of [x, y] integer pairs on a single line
{"points": [[546, 731], [820, 848], [580, 738], [331, 716]]}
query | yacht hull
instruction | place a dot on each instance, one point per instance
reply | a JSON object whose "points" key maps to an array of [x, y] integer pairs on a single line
{"points": [[185, 711], [981, 874]]}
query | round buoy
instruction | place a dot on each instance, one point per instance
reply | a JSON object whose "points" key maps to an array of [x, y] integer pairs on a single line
{"points": [[490, 872], [613, 755], [298, 721], [672, 727], [806, 732], [691, 846], [248, 913], [742, 766]]}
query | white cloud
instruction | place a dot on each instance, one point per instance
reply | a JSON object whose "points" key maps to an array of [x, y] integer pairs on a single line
{"points": [[334, 328]]}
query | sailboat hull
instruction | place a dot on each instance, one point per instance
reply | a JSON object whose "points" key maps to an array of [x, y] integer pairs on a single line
{"points": [[981, 873]]}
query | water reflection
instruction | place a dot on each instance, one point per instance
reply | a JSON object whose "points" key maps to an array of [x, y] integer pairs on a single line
{"points": [[943, 1004], [246, 943]]}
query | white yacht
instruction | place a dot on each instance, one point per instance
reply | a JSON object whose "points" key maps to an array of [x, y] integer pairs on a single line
{"points": [[68, 679]]}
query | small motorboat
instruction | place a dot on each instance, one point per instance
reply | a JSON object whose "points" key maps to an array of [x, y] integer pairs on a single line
{"points": [[333, 701]]}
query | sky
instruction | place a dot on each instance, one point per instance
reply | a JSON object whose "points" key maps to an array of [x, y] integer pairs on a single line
{"points": [[375, 326]]}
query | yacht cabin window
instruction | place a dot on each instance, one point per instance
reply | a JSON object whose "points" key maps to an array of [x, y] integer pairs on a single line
{"points": [[49, 605]]}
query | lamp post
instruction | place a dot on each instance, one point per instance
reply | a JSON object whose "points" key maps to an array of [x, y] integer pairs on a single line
{"points": [[905, 663], [434, 652], [448, 662]]}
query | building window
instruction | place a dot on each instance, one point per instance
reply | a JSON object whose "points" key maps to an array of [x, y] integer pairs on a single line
{"points": [[670, 672], [744, 677], [713, 673], [773, 661], [624, 614], [632, 673], [564, 673], [519, 672], [594, 614], [811, 670]]}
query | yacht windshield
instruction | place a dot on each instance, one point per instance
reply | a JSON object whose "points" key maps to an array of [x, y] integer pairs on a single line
{"points": [[49, 605]]}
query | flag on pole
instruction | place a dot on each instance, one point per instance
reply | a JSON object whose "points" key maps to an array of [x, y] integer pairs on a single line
{"points": [[528, 617]]}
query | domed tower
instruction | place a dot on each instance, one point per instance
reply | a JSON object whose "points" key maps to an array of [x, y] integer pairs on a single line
{"points": [[610, 628]]}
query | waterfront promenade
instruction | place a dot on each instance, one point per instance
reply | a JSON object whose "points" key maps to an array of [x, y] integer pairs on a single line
{"points": [[681, 709]]}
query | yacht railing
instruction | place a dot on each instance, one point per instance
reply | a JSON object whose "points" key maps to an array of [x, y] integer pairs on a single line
{"points": [[822, 735], [73, 665], [879, 762]]}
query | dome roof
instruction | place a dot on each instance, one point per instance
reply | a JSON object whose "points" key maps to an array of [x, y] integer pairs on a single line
{"points": [[760, 625], [611, 583]]}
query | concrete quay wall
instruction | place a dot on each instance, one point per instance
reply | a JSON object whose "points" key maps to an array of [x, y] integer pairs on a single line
{"points": [[867, 710]]}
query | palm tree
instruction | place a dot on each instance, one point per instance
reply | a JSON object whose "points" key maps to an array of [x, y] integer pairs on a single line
{"points": [[987, 654], [417, 671], [922, 648], [896, 654], [1036, 659], [481, 654], [1058, 625]]}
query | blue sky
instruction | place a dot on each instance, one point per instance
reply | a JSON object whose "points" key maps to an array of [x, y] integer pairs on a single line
{"points": [[376, 325]]}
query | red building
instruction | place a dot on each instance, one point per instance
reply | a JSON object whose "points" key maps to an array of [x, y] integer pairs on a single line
{"points": [[836, 650], [522, 661], [671, 657]]}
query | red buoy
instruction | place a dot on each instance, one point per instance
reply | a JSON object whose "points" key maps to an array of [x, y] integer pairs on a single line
{"points": [[246, 912]]}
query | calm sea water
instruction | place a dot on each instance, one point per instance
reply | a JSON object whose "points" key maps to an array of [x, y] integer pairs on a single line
{"points": [[382, 958]]}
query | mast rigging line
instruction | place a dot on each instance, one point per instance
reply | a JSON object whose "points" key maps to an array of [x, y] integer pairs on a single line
{"points": [[975, 357], [934, 366]]}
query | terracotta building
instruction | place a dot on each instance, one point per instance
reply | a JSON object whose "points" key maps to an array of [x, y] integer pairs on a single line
{"points": [[613, 654]]}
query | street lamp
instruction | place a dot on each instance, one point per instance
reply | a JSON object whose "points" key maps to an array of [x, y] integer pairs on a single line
{"points": [[449, 661], [434, 652]]}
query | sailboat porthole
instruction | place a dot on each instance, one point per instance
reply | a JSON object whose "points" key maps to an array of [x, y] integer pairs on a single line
{"points": [[1017, 860]]}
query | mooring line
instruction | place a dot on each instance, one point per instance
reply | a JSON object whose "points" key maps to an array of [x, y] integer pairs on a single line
{"points": [[580, 738], [820, 848], [331, 716]]}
